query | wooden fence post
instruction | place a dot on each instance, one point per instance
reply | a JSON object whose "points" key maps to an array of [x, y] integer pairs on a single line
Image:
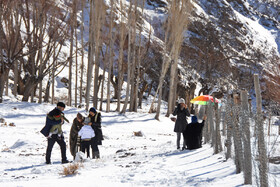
{"points": [[229, 119], [218, 146], [237, 136], [260, 135], [245, 123]]}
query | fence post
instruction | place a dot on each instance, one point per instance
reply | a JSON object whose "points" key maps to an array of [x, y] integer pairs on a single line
{"points": [[260, 135], [229, 119], [237, 137], [245, 123], [218, 145]]}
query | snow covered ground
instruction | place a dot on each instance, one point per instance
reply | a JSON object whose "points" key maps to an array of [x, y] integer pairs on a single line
{"points": [[126, 160]]}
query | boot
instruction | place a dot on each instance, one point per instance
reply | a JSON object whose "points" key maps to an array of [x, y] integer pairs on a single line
{"points": [[95, 154]]}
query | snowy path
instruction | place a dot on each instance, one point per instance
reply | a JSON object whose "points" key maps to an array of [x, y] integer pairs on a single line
{"points": [[126, 160]]}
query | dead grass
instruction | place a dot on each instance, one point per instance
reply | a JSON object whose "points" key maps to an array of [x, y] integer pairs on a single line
{"points": [[71, 169], [138, 133]]}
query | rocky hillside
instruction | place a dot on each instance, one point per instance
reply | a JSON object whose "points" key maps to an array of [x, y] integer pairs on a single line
{"points": [[226, 43]]}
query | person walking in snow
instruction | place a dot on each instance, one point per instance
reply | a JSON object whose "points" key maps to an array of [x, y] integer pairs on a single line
{"points": [[181, 111], [96, 126], [74, 138], [193, 133], [86, 133], [55, 117]]}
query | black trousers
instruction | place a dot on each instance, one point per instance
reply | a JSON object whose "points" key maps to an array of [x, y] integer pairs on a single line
{"points": [[85, 146], [51, 141], [94, 147]]}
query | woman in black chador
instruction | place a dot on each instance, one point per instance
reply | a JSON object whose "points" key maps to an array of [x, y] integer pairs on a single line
{"points": [[193, 133]]}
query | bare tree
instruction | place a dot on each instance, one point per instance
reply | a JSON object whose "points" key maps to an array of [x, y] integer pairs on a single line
{"points": [[180, 12], [72, 29], [111, 51], [99, 18], [128, 60], [36, 67], [120, 63], [82, 51], [90, 53], [133, 56], [139, 58]]}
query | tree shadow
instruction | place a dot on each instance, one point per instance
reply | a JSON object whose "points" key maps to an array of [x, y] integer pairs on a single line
{"points": [[29, 167]]}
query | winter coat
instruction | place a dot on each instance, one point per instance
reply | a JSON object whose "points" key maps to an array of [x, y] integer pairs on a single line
{"points": [[181, 121], [76, 127], [86, 132], [193, 135], [53, 118], [96, 126]]}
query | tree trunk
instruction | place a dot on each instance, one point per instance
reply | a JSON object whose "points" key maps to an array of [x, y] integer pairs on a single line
{"points": [[53, 76], [246, 137], [16, 74], [111, 51], [237, 138], [229, 120], [105, 62], [47, 92], [133, 47], [82, 50], [3, 76], [90, 54], [40, 53], [138, 63], [211, 124], [263, 168], [164, 68], [73, 18], [120, 63], [206, 130], [76, 63], [128, 62], [173, 75], [218, 145]]}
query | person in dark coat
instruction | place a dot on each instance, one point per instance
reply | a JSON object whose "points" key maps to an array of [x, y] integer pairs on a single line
{"points": [[96, 125], [181, 111], [193, 133], [55, 117], [74, 139]]}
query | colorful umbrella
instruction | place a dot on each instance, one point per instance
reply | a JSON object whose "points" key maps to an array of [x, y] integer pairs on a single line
{"points": [[204, 100]]}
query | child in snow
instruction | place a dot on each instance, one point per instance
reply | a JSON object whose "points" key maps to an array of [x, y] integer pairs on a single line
{"points": [[86, 133]]}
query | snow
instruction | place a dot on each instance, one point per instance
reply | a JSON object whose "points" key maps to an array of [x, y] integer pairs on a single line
{"points": [[126, 160]]}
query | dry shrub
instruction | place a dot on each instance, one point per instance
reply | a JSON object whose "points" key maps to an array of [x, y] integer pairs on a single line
{"points": [[6, 149], [4, 124], [71, 169], [138, 133], [12, 124]]}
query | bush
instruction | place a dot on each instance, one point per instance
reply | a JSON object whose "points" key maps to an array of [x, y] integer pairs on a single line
{"points": [[71, 169]]}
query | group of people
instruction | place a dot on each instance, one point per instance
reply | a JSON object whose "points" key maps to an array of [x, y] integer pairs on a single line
{"points": [[192, 132], [85, 132]]}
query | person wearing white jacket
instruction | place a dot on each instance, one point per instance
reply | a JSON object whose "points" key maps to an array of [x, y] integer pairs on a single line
{"points": [[86, 133]]}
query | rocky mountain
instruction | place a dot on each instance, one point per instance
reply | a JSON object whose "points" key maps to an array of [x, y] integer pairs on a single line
{"points": [[227, 41]]}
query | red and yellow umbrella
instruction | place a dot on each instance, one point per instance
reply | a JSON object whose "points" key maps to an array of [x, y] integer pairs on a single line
{"points": [[204, 100]]}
